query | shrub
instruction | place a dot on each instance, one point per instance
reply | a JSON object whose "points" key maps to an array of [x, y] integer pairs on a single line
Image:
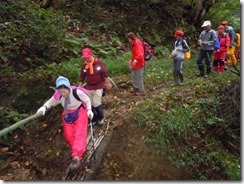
{"points": [[31, 35]]}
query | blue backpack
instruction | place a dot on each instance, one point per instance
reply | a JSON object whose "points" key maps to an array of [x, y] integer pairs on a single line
{"points": [[217, 44]]}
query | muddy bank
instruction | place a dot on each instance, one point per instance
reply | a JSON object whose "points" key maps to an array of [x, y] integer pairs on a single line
{"points": [[128, 157]]}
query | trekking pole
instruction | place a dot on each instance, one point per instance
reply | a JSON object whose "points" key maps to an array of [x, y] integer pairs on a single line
{"points": [[93, 143], [111, 80]]}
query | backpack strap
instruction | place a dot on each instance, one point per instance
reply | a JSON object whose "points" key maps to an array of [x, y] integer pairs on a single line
{"points": [[184, 46], [75, 95], [78, 98], [212, 32]]}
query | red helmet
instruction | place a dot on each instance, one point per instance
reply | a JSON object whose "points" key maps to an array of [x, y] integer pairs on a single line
{"points": [[221, 27], [179, 33], [224, 23]]}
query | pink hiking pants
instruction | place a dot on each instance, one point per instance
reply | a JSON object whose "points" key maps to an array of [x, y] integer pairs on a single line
{"points": [[75, 133]]}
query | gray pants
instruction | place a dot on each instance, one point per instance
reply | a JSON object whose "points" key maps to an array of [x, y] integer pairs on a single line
{"points": [[137, 79], [177, 65], [177, 70]]}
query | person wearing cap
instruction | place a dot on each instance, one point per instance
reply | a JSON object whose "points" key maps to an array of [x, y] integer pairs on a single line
{"points": [[137, 64], [206, 40], [74, 117], [94, 72], [220, 54], [180, 46], [231, 50]]}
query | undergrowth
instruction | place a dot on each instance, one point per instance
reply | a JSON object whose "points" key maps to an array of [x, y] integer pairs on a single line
{"points": [[194, 124]]}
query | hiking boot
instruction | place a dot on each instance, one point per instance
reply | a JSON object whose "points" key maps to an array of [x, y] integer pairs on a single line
{"points": [[174, 84], [140, 93], [206, 76], [182, 79], [75, 164], [100, 122], [198, 75], [181, 83], [134, 90]]}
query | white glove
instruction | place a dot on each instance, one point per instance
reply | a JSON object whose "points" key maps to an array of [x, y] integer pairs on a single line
{"points": [[90, 114], [42, 109]]}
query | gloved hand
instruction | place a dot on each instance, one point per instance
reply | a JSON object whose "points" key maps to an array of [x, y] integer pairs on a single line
{"points": [[90, 114], [42, 109]]}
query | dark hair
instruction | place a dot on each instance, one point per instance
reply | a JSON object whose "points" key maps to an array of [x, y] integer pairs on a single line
{"points": [[131, 35], [62, 87]]}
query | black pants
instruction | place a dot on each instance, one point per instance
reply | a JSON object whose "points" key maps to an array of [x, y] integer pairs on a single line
{"points": [[98, 113], [207, 55], [218, 62]]}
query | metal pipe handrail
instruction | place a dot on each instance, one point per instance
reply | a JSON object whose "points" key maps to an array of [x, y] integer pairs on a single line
{"points": [[18, 124]]}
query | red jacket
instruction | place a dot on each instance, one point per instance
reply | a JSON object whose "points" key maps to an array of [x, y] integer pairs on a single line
{"points": [[137, 54], [94, 81], [224, 44]]}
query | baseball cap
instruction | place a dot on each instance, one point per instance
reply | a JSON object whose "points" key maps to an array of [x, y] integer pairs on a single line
{"points": [[206, 23]]}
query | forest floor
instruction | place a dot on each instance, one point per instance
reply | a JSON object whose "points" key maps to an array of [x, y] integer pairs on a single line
{"points": [[39, 151]]}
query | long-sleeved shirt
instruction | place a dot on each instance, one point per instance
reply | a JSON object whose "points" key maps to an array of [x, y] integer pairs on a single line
{"points": [[96, 80], [231, 32], [137, 54], [224, 40], [74, 103], [210, 37], [183, 46]]}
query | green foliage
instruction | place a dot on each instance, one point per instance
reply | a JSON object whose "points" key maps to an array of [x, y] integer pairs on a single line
{"points": [[117, 65], [161, 51], [35, 32], [219, 13], [8, 117], [71, 70], [16, 116]]}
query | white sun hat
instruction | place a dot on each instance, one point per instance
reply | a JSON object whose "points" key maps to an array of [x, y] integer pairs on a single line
{"points": [[206, 23]]}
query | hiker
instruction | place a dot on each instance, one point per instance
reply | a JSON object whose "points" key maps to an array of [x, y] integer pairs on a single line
{"points": [[206, 40], [136, 64], [231, 61], [180, 46], [74, 117], [238, 47], [220, 54], [94, 72]]}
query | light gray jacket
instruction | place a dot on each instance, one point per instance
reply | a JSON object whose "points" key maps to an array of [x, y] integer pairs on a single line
{"points": [[210, 37], [182, 46]]}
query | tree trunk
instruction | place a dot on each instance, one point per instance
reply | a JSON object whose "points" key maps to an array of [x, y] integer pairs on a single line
{"points": [[199, 10]]}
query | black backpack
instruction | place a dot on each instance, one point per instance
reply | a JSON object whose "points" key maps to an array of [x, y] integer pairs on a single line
{"points": [[148, 50]]}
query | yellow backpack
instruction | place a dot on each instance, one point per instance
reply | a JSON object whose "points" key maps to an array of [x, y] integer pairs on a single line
{"points": [[238, 40], [187, 55]]}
